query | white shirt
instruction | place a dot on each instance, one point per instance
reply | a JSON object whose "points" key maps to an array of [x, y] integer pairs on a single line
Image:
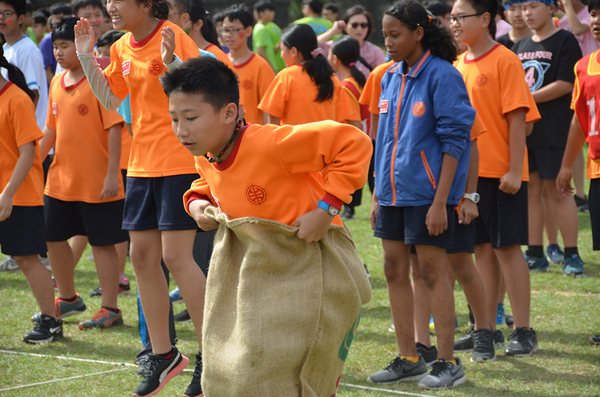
{"points": [[25, 55]]}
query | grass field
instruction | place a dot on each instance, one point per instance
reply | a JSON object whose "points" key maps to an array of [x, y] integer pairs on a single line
{"points": [[565, 312]]}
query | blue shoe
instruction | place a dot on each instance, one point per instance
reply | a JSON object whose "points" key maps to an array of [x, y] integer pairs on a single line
{"points": [[537, 264], [175, 295], [500, 315], [555, 254], [573, 266]]}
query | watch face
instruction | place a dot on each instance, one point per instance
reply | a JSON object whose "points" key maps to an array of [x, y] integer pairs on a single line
{"points": [[333, 211]]}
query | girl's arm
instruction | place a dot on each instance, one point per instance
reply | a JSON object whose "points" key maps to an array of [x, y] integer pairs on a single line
{"points": [[272, 119], [47, 142], [26, 157], [338, 28], [111, 181], [575, 142], [552, 91], [468, 209], [511, 181], [437, 217]]}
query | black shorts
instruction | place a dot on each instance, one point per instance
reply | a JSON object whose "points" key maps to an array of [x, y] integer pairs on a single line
{"points": [[157, 203], [463, 239], [546, 161], [100, 222], [408, 224], [23, 233], [503, 218], [594, 203]]}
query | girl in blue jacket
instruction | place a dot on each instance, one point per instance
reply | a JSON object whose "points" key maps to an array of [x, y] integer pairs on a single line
{"points": [[421, 164]]}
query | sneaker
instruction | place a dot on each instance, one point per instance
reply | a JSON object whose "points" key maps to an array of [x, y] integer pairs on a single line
{"points": [[64, 309], [348, 212], [400, 370], [8, 264], [175, 295], [499, 342], [555, 253], [483, 346], [582, 204], [102, 319], [54, 284], [522, 342], [195, 388], [183, 317], [47, 329], [159, 371], [429, 354], [573, 266], [465, 344], [595, 339], [500, 315], [367, 270], [537, 264], [143, 364], [392, 328], [124, 289], [444, 375]]}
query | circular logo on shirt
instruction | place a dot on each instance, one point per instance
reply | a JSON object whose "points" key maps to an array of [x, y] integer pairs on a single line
{"points": [[83, 109], [247, 85], [155, 67], [256, 194], [481, 80], [419, 109]]}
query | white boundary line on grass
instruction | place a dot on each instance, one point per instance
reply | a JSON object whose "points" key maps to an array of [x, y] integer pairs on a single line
{"points": [[187, 370], [60, 380]]}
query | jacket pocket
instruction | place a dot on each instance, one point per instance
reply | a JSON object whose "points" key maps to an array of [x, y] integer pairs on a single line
{"points": [[428, 170]]}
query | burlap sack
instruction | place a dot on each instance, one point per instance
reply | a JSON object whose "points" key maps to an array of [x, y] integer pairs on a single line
{"points": [[280, 313]]}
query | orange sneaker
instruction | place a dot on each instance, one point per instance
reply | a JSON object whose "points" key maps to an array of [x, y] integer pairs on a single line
{"points": [[102, 319]]}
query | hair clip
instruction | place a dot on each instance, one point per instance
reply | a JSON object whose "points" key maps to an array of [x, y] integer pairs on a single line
{"points": [[352, 64]]}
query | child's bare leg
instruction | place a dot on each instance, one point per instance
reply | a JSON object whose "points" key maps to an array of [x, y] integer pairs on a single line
{"points": [[467, 275], [516, 275], [502, 293], [536, 209], [396, 264], [550, 218], [40, 282], [122, 255], [432, 262], [566, 213], [145, 254], [107, 267], [578, 175], [422, 309], [63, 264], [178, 256], [78, 244], [489, 270]]}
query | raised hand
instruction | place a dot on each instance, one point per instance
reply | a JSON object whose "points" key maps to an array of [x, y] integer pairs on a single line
{"points": [[84, 37], [167, 46]]}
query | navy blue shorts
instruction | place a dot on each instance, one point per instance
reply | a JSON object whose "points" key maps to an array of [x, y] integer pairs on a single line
{"points": [[594, 203], [408, 224], [503, 219], [100, 222], [23, 232], [157, 203], [463, 239], [546, 161]]}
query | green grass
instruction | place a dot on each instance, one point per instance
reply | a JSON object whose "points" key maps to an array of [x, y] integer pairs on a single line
{"points": [[565, 312]]}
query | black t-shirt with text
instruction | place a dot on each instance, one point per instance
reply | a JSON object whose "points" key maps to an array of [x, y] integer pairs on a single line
{"points": [[545, 62], [505, 41]]}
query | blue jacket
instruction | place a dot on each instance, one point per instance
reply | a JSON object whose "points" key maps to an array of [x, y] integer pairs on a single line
{"points": [[422, 115]]}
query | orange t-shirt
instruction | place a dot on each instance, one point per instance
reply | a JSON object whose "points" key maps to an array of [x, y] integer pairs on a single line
{"points": [[496, 85], [135, 69], [352, 91], [372, 89], [255, 77], [81, 149], [17, 128], [221, 56], [125, 149], [291, 97], [275, 172]]}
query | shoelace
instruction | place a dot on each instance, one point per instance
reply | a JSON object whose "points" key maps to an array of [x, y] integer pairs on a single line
{"points": [[482, 339], [518, 331], [151, 366], [439, 367], [198, 368], [102, 313], [395, 363]]}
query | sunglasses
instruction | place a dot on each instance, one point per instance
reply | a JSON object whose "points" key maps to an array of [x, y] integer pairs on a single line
{"points": [[356, 25]]}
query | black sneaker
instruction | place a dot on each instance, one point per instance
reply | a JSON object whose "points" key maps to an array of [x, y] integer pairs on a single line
{"points": [[509, 320], [465, 344], [582, 204], [183, 317], [159, 371], [124, 289], [429, 354], [499, 339], [595, 339], [143, 364], [47, 329], [483, 346], [195, 388], [522, 342], [400, 370], [348, 212]]}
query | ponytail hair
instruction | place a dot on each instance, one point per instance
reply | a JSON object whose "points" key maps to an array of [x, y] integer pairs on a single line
{"points": [[198, 12], [347, 50], [436, 37], [304, 39], [159, 8], [15, 75]]}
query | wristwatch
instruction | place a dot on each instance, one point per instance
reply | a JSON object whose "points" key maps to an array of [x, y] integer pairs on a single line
{"points": [[474, 197], [331, 210]]}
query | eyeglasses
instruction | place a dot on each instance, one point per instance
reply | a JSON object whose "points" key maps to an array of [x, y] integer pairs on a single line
{"points": [[231, 31], [356, 25], [7, 14], [461, 18]]}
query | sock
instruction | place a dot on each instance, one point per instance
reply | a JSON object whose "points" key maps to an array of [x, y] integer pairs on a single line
{"points": [[413, 360], [571, 251], [116, 311], [535, 251], [453, 361], [168, 355], [70, 300], [123, 279]]}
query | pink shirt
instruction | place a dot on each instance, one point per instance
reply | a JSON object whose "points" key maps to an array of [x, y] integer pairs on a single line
{"points": [[369, 52], [502, 28], [586, 40]]}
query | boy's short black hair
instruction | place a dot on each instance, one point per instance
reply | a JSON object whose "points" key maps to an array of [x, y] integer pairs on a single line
{"points": [[65, 30], [218, 17], [594, 5], [241, 13], [60, 8], [77, 5], [440, 8], [29, 7], [109, 38], [331, 7], [263, 5], [39, 17], [18, 5], [208, 76], [314, 5]]}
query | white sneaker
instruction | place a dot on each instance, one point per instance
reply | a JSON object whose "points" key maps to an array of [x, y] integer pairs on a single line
{"points": [[8, 264]]}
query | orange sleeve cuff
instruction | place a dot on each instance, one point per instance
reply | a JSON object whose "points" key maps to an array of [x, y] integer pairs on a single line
{"points": [[194, 196], [334, 201]]}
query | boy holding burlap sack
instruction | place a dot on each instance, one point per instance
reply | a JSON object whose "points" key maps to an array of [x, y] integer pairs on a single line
{"points": [[286, 284]]}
